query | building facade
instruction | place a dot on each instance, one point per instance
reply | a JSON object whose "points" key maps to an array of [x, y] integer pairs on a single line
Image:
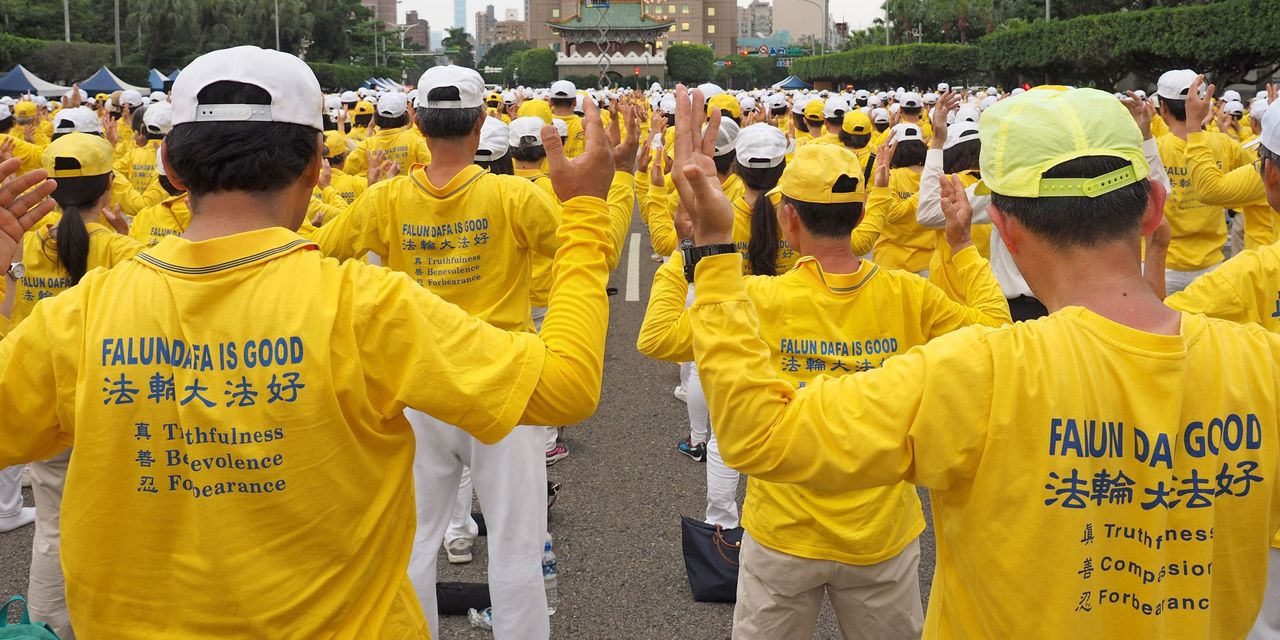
{"points": [[755, 20], [484, 34], [383, 11], [801, 18], [417, 31], [707, 22]]}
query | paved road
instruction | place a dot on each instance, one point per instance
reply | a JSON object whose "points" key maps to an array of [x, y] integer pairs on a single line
{"points": [[617, 523]]}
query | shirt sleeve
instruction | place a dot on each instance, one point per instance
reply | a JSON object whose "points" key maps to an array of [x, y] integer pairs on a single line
{"points": [[357, 163], [1217, 294], [539, 216], [36, 381], [979, 297], [929, 206], [909, 420], [622, 204], [662, 224], [665, 333], [1236, 189], [878, 206], [130, 200], [360, 228]]}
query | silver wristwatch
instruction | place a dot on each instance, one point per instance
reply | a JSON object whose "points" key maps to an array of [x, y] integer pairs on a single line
{"points": [[16, 271]]}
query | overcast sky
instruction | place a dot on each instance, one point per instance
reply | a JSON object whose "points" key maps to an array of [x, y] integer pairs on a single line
{"points": [[859, 13]]}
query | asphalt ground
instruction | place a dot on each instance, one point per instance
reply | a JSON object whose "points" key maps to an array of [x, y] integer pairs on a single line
{"points": [[617, 521]]}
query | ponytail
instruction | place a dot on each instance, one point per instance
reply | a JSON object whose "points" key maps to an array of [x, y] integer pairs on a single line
{"points": [[74, 195], [762, 249]]}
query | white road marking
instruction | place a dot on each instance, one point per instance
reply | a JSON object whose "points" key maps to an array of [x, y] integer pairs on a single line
{"points": [[633, 269]]}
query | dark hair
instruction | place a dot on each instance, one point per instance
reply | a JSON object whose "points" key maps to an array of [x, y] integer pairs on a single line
{"points": [[909, 153], [447, 124], [362, 120], [880, 126], [671, 119], [135, 120], [724, 113], [762, 248], [258, 157], [861, 102], [854, 140], [330, 124], [962, 157], [797, 121], [1177, 108], [827, 220], [778, 111], [1079, 221], [724, 163], [529, 152], [386, 122], [564, 102], [152, 136], [74, 195], [168, 186], [911, 111], [501, 166], [6, 124]]}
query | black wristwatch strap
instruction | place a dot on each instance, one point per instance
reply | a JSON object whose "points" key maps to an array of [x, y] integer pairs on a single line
{"points": [[694, 254]]}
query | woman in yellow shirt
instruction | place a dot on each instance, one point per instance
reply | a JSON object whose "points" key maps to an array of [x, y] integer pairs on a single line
{"points": [[52, 260], [890, 225], [761, 151]]}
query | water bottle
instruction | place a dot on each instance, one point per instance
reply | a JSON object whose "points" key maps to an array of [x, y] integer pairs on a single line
{"points": [[549, 573]]}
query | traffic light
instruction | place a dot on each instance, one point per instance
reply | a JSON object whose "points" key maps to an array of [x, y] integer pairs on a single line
{"points": [[637, 72]]}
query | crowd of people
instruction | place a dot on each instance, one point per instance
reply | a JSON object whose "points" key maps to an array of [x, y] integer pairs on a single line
{"points": [[265, 345]]}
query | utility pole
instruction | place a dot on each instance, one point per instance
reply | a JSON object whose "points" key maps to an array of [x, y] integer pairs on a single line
{"points": [[277, 24], [66, 19], [886, 23], [118, 60], [1046, 10]]}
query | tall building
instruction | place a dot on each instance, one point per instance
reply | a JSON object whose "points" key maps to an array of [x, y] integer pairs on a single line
{"points": [[708, 22], [384, 11], [755, 20], [801, 18], [417, 31], [460, 13], [485, 36]]}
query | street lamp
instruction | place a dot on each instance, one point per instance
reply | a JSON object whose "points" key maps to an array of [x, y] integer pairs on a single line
{"points": [[825, 7], [277, 25]]}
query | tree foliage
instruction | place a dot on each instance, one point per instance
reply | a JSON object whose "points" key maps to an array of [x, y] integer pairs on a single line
{"points": [[690, 63], [498, 53], [531, 67], [897, 64], [457, 44]]}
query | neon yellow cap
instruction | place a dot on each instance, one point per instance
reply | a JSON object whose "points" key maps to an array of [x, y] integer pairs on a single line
{"points": [[77, 155], [1027, 135], [822, 174], [362, 108], [536, 109], [856, 123], [813, 110], [724, 102], [335, 144]]}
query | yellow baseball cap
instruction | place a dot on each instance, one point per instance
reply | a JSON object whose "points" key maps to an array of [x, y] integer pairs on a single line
{"points": [[493, 97], [724, 102], [362, 108], [536, 109], [77, 155], [102, 98], [1029, 134], [335, 144], [813, 110], [822, 174], [24, 109], [856, 123]]}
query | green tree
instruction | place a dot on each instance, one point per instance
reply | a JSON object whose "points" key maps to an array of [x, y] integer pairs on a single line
{"points": [[690, 63], [457, 44], [333, 25], [498, 53], [537, 67]]}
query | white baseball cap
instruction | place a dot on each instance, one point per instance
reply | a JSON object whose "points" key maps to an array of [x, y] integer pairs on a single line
{"points": [[968, 113], [1234, 107], [508, 97], [1270, 136], [861, 94], [907, 131], [5, 112], [1258, 108], [295, 93], [131, 98], [563, 89], [879, 115], [158, 118], [562, 127], [667, 104], [747, 103], [1230, 95], [468, 82], [835, 107], [81, 119], [962, 131], [710, 90], [797, 105], [350, 97], [930, 98], [157, 96], [943, 87], [393, 104], [777, 101], [526, 131], [160, 161], [1174, 85], [874, 101], [910, 99], [494, 140], [991, 91], [726, 137], [761, 146], [84, 95]]}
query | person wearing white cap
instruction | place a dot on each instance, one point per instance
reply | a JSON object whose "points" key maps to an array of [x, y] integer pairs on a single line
{"points": [[349, 99], [312, 380], [158, 96], [395, 140], [833, 112], [747, 103], [493, 152], [880, 119], [861, 98], [466, 235], [912, 112], [888, 228], [28, 153], [564, 100], [138, 163], [76, 120], [1199, 230]]}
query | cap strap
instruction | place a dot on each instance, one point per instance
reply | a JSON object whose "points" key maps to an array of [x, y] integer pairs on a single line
{"points": [[233, 112], [1088, 187]]}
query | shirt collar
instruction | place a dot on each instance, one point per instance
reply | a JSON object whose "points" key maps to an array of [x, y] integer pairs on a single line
{"points": [[181, 256], [811, 269], [464, 179]]}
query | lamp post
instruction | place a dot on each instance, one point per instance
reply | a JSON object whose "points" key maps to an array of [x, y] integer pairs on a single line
{"points": [[66, 19], [277, 25], [826, 31]]}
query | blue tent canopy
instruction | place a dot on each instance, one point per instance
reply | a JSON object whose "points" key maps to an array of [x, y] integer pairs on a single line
{"points": [[19, 81], [156, 80], [793, 82], [106, 82], [173, 75]]}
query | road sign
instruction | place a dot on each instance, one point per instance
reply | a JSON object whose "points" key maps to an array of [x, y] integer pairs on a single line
{"points": [[785, 62], [719, 63], [493, 69], [764, 49]]}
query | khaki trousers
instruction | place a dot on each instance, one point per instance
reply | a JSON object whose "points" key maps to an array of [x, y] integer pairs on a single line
{"points": [[46, 591], [780, 595]]}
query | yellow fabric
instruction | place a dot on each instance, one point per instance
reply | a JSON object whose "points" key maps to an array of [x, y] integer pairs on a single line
{"points": [[812, 175], [91, 155], [28, 153], [942, 272], [742, 215], [356, 345], [170, 217], [663, 202], [889, 227], [139, 165], [994, 422], [576, 144], [1199, 229], [46, 277], [816, 324], [1241, 189], [468, 241], [403, 145], [130, 200], [542, 277], [1158, 126], [344, 188]]}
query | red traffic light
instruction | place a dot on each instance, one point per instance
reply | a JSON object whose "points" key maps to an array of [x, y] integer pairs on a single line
{"points": [[637, 71]]}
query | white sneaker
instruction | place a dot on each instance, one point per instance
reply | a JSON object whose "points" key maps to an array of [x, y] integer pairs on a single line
{"points": [[23, 518], [681, 394], [655, 257], [458, 551]]}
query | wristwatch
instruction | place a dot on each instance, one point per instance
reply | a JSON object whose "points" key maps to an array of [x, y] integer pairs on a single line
{"points": [[16, 271], [693, 254]]}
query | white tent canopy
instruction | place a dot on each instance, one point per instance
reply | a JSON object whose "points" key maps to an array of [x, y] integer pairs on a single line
{"points": [[19, 81]]}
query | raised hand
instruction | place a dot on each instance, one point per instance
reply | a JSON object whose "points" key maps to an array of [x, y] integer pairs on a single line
{"points": [[589, 174], [958, 211], [624, 152], [947, 102], [24, 200], [1197, 105], [695, 171], [326, 175], [884, 155], [116, 217], [1138, 108], [374, 171], [6, 148]]}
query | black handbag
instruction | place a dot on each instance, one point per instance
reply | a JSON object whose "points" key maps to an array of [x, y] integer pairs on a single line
{"points": [[455, 598], [711, 560]]}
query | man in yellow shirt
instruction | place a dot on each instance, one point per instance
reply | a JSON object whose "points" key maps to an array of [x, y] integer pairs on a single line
{"points": [[466, 235], [247, 449], [396, 138], [1199, 229], [564, 97], [139, 164], [26, 152], [1090, 473], [833, 314]]}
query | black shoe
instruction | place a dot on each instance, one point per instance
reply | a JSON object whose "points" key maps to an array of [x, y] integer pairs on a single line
{"points": [[696, 451]]}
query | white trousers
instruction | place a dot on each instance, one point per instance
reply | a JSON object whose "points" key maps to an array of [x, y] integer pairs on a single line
{"points": [[722, 488], [510, 479], [46, 587], [699, 416], [1267, 627], [11, 493], [1175, 281]]}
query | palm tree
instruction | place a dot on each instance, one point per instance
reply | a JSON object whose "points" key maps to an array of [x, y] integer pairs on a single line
{"points": [[457, 38]]}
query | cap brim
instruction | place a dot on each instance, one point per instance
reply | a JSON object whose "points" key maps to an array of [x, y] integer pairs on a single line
{"points": [[980, 188]]}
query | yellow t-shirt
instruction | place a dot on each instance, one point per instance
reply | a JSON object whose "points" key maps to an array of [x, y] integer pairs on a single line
{"points": [[468, 241], [542, 277], [889, 226], [742, 216], [30, 154], [402, 144], [1241, 189], [45, 276], [576, 144], [343, 188], [251, 431], [1087, 480], [139, 165], [1199, 230], [159, 221]]}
